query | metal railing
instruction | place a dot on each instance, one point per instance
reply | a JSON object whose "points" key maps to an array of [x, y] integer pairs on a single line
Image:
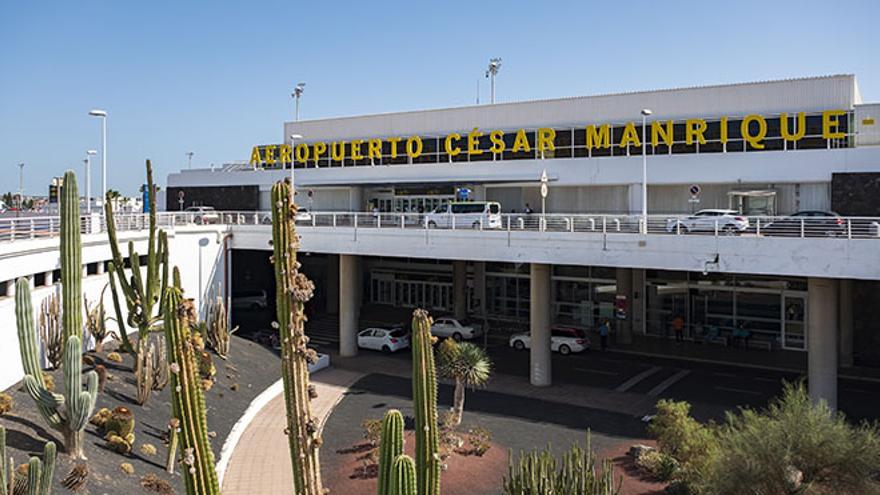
{"points": [[12, 229]]}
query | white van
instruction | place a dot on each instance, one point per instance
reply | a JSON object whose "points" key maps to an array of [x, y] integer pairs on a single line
{"points": [[466, 214]]}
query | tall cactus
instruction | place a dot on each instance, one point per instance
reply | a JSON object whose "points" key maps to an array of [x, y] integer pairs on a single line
{"points": [[67, 412], [39, 478], [425, 405], [403, 481], [293, 289], [143, 296], [391, 446], [187, 399]]}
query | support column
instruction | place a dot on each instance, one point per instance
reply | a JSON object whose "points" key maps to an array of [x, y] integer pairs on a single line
{"points": [[822, 338], [539, 327], [349, 304], [624, 291], [638, 301], [480, 286], [101, 267], [332, 280], [845, 320], [459, 289], [50, 278], [10, 288], [356, 198]]}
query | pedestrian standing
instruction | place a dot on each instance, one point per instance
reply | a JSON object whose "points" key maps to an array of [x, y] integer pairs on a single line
{"points": [[678, 328], [604, 330]]}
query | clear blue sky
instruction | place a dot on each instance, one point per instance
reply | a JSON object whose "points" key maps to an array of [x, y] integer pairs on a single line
{"points": [[215, 77]]}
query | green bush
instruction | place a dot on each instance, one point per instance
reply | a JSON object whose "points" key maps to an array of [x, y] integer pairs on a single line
{"points": [[661, 465], [794, 447]]}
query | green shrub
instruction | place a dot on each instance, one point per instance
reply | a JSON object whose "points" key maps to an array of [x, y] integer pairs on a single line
{"points": [[661, 465], [794, 447]]}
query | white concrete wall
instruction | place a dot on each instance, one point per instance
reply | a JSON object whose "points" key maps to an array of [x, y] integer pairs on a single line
{"points": [[24, 258]]}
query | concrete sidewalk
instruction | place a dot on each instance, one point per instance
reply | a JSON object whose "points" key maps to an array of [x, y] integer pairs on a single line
{"points": [[261, 460]]}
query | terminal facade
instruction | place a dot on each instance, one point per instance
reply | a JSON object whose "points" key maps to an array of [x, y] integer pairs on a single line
{"points": [[763, 149]]}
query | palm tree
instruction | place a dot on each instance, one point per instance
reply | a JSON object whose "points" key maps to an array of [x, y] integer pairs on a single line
{"points": [[468, 365]]}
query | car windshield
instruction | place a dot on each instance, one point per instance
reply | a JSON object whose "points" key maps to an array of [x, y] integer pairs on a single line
{"points": [[494, 208], [398, 333]]}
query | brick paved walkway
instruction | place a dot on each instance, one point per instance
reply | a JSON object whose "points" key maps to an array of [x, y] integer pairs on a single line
{"points": [[261, 463]]}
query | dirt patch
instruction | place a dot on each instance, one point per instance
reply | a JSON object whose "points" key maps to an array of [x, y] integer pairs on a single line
{"points": [[238, 381], [465, 474], [635, 481]]}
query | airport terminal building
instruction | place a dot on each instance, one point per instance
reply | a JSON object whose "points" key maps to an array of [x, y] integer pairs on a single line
{"points": [[573, 247]]}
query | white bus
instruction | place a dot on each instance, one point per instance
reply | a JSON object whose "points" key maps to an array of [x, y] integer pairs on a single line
{"points": [[466, 214]]}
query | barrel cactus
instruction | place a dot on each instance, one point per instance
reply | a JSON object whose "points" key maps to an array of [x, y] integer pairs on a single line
{"points": [[187, 399], [293, 290], [69, 411]]}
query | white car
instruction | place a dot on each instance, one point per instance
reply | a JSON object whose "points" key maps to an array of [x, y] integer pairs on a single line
{"points": [[382, 339], [457, 330], [465, 215], [563, 340], [728, 221], [250, 299], [203, 214]]}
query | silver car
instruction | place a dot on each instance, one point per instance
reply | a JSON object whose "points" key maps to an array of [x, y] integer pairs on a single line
{"points": [[455, 329], [727, 221]]}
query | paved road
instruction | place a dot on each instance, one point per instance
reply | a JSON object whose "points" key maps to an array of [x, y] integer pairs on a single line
{"points": [[713, 388]]}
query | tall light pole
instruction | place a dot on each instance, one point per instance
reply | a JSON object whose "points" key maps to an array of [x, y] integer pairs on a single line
{"points": [[297, 93], [189, 157], [20, 187], [491, 72], [88, 161], [293, 138], [103, 115], [645, 113]]}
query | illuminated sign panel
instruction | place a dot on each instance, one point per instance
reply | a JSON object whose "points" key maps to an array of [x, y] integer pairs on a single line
{"points": [[750, 132]]}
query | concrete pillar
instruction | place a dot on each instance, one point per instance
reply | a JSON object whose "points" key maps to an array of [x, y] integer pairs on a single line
{"points": [[539, 315], [638, 301], [623, 334], [10, 288], [101, 267], [459, 289], [349, 303], [845, 322], [356, 198], [332, 280], [822, 338], [480, 285], [50, 278]]}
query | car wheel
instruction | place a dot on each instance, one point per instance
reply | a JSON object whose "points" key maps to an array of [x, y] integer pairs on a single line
{"points": [[729, 229], [518, 345], [456, 337], [564, 350], [475, 225], [198, 220], [432, 224], [386, 349]]}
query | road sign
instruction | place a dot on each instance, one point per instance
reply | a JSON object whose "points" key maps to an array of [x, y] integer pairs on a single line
{"points": [[544, 190], [180, 194], [544, 181], [694, 190]]}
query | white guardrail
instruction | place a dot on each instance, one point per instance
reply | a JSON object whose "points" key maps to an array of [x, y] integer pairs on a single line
{"points": [[21, 228]]}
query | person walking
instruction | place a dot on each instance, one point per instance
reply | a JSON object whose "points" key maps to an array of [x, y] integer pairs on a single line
{"points": [[604, 330], [678, 328]]}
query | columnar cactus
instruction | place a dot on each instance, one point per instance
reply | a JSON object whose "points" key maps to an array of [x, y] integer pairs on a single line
{"points": [[218, 331], [390, 447], [403, 480], [69, 411], [143, 295], [425, 405], [293, 289], [187, 399], [39, 477]]}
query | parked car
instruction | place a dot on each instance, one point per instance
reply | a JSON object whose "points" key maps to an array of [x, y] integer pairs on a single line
{"points": [[250, 299], [466, 214], [383, 339], [302, 215], [202, 214], [563, 340], [814, 223], [455, 329], [728, 221]]}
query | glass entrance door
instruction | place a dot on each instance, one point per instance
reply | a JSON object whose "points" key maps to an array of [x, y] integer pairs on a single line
{"points": [[794, 321]]}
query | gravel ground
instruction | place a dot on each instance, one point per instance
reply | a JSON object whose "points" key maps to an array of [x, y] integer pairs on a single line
{"points": [[250, 367]]}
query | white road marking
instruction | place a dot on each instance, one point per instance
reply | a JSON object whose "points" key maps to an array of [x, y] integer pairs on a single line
{"points": [[623, 387], [601, 372], [654, 392], [737, 390]]}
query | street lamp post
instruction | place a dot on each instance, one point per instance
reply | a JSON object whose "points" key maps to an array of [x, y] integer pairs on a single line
{"points": [[491, 72], [297, 93], [293, 138], [189, 163], [88, 162], [20, 188], [645, 113], [103, 115]]}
